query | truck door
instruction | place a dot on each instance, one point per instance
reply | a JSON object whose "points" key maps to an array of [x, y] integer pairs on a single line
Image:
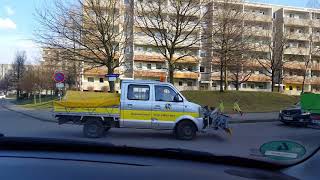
{"points": [[136, 106], [165, 108]]}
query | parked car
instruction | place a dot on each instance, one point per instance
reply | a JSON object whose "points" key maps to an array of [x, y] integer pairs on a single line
{"points": [[2, 96], [304, 113]]}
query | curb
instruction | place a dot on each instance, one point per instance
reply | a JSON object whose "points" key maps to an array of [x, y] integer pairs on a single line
{"points": [[231, 122], [29, 115], [252, 121]]}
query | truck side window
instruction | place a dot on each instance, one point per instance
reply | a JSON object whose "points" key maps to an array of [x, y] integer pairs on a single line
{"points": [[164, 93], [138, 92]]}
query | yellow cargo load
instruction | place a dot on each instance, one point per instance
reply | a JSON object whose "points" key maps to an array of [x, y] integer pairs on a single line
{"points": [[88, 102]]}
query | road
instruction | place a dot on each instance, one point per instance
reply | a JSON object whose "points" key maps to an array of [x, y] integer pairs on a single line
{"points": [[246, 139]]}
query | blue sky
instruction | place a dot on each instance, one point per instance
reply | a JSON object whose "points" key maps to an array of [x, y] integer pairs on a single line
{"points": [[17, 24]]}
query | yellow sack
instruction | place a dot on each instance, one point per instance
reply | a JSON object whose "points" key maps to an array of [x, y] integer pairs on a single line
{"points": [[79, 99]]}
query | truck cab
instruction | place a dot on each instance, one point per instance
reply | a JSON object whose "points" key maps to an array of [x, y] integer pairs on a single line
{"points": [[158, 105]]}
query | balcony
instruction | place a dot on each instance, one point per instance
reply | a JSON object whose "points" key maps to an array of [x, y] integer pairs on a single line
{"points": [[186, 75], [298, 36], [206, 77], [316, 38], [314, 81], [293, 79], [148, 57], [294, 65], [296, 22], [259, 33], [260, 18], [144, 40], [315, 67], [149, 74], [297, 51], [316, 23], [259, 78]]}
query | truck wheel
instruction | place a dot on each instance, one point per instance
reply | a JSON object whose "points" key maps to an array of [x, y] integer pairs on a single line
{"points": [[185, 130], [93, 129]]}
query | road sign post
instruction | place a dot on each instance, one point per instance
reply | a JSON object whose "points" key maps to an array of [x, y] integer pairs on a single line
{"points": [[59, 78]]}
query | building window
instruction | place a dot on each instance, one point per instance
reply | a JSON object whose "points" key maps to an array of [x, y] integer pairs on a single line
{"points": [[190, 83], [138, 92], [190, 68], [291, 15], [252, 86], [101, 80], [244, 86], [158, 66], [290, 88], [90, 79], [298, 88], [214, 84], [180, 83], [149, 66], [139, 65], [201, 69]]}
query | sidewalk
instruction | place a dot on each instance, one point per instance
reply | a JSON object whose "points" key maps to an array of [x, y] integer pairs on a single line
{"points": [[46, 115], [254, 117], [43, 115]]}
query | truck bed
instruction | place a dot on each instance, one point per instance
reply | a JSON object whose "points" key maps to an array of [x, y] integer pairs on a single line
{"points": [[76, 103]]}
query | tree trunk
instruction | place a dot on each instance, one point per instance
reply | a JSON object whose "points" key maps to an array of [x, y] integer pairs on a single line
{"points": [[221, 74], [111, 83], [272, 81], [112, 86], [171, 74], [279, 80], [225, 79], [303, 82]]}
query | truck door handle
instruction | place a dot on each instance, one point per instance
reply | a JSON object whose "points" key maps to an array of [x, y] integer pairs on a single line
{"points": [[157, 107], [129, 106]]}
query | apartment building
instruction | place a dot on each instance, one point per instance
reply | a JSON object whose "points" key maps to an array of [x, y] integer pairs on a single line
{"points": [[4, 69], [299, 26]]}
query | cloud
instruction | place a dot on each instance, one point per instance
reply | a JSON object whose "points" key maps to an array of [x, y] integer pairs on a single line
{"points": [[7, 23], [9, 10]]}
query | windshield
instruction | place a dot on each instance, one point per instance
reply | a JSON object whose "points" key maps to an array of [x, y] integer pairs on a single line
{"points": [[117, 71]]}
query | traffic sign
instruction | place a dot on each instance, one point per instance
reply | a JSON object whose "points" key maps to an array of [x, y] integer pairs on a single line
{"points": [[60, 85], [58, 77], [113, 75]]}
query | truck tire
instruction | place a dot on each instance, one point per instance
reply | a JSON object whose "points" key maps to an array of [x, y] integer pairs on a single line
{"points": [[93, 128], [185, 130]]}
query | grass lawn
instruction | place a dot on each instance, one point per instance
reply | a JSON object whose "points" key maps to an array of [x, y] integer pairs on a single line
{"points": [[248, 101], [46, 103]]}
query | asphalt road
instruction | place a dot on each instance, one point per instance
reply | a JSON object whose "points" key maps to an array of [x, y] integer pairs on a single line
{"points": [[245, 141]]}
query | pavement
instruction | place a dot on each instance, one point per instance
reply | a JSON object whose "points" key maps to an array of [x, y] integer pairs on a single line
{"points": [[245, 141], [46, 115]]}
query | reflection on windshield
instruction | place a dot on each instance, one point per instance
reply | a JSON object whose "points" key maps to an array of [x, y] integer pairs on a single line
{"points": [[121, 74]]}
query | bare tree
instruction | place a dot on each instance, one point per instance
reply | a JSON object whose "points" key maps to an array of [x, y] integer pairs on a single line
{"points": [[6, 83], [90, 31], [274, 63], [232, 37], [237, 74], [173, 26], [18, 70]]}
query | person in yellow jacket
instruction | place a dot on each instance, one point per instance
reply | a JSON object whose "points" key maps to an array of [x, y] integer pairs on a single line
{"points": [[221, 107], [237, 108]]}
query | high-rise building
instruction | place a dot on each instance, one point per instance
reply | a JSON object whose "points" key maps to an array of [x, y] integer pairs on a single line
{"points": [[299, 27]]}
